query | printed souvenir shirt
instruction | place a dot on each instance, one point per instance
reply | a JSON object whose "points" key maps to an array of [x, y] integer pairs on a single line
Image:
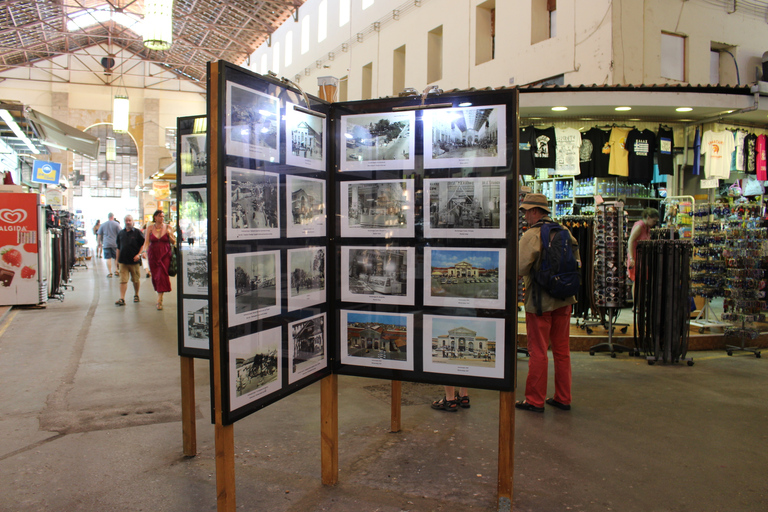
{"points": [[750, 154], [717, 147], [544, 155], [737, 159], [527, 144], [665, 141], [618, 165], [761, 158], [595, 153], [567, 152], [641, 145]]}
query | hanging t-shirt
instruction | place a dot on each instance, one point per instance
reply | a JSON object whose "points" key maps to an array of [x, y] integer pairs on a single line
{"points": [[594, 160], [750, 154], [761, 158], [526, 143], [717, 147], [737, 160], [618, 164], [665, 141], [640, 146], [546, 145], [697, 152], [568, 144]]}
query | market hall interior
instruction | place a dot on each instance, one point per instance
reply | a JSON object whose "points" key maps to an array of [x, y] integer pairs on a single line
{"points": [[90, 419]]}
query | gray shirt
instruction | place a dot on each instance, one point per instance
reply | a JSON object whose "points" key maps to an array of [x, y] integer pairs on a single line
{"points": [[109, 231]]}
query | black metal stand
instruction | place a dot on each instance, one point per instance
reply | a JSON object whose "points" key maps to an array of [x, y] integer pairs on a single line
{"points": [[610, 346], [740, 333]]}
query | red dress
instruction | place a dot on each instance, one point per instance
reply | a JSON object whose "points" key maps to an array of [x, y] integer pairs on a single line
{"points": [[159, 256], [645, 234]]}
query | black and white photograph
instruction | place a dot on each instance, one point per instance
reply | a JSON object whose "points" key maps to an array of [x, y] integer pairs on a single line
{"points": [[253, 286], [378, 275], [194, 270], [305, 203], [306, 277], [255, 368], [459, 345], [254, 204], [377, 209], [193, 217], [196, 327], [253, 124], [465, 208], [378, 340], [305, 136], [194, 159], [473, 278], [307, 347], [465, 137], [378, 141]]}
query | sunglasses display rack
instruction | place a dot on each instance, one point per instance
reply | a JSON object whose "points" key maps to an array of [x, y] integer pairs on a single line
{"points": [[662, 300], [609, 274], [707, 265]]}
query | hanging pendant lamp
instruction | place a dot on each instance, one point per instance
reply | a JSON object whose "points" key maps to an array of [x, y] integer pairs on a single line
{"points": [[158, 24]]}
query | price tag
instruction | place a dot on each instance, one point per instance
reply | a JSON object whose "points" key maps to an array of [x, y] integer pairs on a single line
{"points": [[713, 183]]}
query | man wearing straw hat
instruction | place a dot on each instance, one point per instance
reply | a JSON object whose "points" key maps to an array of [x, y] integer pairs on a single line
{"points": [[551, 325]]}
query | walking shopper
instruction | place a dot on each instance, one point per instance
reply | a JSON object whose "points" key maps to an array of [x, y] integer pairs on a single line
{"points": [[108, 232], [641, 230], [98, 237], [129, 244], [460, 399], [157, 247], [549, 325]]}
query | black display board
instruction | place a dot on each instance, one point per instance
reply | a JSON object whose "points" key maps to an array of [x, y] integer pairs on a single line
{"points": [[373, 239]]}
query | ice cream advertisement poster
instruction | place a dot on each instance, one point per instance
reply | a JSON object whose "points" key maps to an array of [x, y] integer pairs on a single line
{"points": [[18, 249]]}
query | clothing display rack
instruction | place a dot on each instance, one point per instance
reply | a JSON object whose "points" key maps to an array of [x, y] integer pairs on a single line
{"points": [[581, 227], [608, 273], [662, 300]]}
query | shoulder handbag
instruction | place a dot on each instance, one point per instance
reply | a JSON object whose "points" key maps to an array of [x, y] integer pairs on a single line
{"points": [[752, 187], [173, 268]]}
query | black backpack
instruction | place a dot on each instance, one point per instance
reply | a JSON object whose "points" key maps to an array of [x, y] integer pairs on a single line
{"points": [[559, 273]]}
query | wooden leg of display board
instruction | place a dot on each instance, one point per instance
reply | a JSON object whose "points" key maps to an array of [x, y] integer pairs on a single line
{"points": [[397, 394], [506, 450], [188, 425], [329, 429], [225, 467]]}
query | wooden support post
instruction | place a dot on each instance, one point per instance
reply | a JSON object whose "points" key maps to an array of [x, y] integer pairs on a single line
{"points": [[225, 467], [329, 429], [397, 395], [506, 450], [188, 425]]}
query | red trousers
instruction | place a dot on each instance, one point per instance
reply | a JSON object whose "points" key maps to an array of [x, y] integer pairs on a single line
{"points": [[551, 327]]}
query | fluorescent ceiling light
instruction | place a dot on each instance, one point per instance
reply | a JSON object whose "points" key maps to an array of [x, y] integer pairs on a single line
{"points": [[8, 118], [90, 17], [465, 104], [559, 109], [683, 109], [622, 109]]}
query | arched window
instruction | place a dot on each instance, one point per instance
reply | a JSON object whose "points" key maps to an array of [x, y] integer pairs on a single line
{"points": [[112, 174]]}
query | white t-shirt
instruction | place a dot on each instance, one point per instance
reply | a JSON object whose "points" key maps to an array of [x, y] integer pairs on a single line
{"points": [[717, 147], [737, 161], [568, 143]]}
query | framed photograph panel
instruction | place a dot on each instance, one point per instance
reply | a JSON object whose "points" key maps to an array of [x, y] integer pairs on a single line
{"points": [[306, 205], [252, 124], [193, 159], [465, 137], [378, 141], [253, 204], [307, 347], [459, 345], [465, 208], [194, 270], [305, 139], [255, 367], [306, 277], [196, 324], [378, 275], [378, 340], [465, 277], [377, 209], [253, 286]]}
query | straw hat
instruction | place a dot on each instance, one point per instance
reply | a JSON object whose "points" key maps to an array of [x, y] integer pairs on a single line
{"points": [[535, 201]]}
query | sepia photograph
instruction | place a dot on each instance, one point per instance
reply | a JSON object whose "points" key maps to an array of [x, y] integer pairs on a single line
{"points": [[254, 367], [465, 208], [253, 286], [254, 204], [305, 200], [378, 340], [193, 217], [305, 135], [194, 159], [473, 278], [252, 124], [378, 141], [378, 275], [377, 209], [465, 137], [458, 345], [306, 277], [194, 270], [196, 327], [307, 347]]}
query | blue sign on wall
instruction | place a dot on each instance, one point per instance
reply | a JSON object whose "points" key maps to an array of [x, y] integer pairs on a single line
{"points": [[46, 172]]}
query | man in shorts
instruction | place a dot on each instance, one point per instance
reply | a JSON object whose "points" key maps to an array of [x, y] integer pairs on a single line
{"points": [[128, 252], [108, 232]]}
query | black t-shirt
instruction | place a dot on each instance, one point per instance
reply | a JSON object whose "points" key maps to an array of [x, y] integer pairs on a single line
{"points": [[665, 142], [750, 154], [527, 144], [129, 243], [641, 146], [544, 155], [593, 160]]}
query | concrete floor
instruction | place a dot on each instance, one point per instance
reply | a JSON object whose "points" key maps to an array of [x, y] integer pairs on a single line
{"points": [[89, 420]]}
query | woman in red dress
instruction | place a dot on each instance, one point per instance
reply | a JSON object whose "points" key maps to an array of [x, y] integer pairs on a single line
{"points": [[157, 247]]}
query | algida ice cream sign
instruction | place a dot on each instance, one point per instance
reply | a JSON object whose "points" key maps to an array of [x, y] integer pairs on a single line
{"points": [[18, 249]]}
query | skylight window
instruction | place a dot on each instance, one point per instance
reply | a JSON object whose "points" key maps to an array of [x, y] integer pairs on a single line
{"points": [[90, 17]]}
